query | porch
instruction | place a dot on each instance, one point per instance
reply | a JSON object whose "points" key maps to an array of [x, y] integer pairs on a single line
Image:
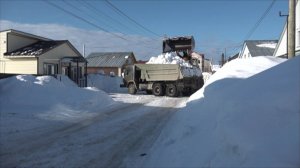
{"points": [[75, 68]]}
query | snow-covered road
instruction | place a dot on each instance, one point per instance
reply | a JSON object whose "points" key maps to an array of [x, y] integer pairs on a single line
{"points": [[118, 136]]}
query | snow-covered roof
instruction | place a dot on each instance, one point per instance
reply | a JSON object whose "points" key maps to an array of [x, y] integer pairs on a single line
{"points": [[39, 48], [36, 49], [108, 59], [261, 47]]}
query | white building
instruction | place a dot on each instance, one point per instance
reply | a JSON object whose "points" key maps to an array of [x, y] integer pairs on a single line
{"points": [[254, 48], [281, 47], [24, 53]]}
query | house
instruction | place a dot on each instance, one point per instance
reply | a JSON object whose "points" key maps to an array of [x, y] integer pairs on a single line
{"points": [[204, 64], [254, 48], [109, 63], [207, 67], [233, 57], [24, 53], [281, 48]]}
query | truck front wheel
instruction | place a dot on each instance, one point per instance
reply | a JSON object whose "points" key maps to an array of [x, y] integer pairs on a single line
{"points": [[171, 90], [158, 89], [132, 89]]}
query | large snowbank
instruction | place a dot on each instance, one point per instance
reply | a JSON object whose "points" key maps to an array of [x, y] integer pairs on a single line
{"points": [[106, 83], [46, 98], [249, 117], [172, 58], [237, 68]]}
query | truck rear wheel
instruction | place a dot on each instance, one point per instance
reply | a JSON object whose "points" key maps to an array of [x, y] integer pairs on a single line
{"points": [[157, 89], [171, 90], [132, 89]]}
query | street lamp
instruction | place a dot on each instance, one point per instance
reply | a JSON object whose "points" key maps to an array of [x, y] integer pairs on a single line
{"points": [[287, 29]]}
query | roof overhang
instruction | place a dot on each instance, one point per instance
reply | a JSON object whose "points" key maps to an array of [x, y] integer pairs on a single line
{"points": [[73, 59], [20, 56], [13, 31]]}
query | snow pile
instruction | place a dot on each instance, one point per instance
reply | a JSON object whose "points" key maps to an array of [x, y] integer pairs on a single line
{"points": [[47, 98], [238, 68], [267, 45], [206, 76], [106, 83], [189, 72], [246, 119], [172, 58], [66, 80], [215, 68], [168, 58]]}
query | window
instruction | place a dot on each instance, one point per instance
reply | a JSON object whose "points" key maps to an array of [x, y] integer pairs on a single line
{"points": [[80, 73], [74, 73], [50, 69], [65, 71]]}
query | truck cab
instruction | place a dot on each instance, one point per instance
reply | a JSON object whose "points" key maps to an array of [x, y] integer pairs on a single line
{"points": [[131, 75]]}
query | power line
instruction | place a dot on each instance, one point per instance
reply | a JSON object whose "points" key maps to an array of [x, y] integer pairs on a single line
{"points": [[100, 13], [90, 6], [122, 13], [252, 30], [87, 21], [82, 19], [91, 16]]}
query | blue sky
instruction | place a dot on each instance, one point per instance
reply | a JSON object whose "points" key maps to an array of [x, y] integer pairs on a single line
{"points": [[215, 24]]}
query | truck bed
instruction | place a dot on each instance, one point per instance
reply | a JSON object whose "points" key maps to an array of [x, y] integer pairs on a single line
{"points": [[160, 72]]}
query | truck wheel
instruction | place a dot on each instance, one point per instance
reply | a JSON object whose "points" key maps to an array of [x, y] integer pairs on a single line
{"points": [[158, 89], [171, 90], [132, 89]]}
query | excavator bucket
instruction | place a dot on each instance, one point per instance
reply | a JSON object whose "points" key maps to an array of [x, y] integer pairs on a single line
{"points": [[178, 44]]}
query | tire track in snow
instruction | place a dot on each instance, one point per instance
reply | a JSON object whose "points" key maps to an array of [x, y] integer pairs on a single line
{"points": [[137, 124]]}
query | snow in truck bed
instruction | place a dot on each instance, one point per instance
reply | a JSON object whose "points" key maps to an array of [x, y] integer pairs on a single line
{"points": [[172, 58]]}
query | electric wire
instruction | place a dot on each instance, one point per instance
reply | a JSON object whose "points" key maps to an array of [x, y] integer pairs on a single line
{"points": [[90, 6], [100, 13], [252, 30], [83, 19], [91, 16], [125, 15], [143, 42]]}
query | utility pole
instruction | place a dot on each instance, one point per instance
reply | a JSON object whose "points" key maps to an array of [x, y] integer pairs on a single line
{"points": [[225, 59], [291, 31], [222, 59]]}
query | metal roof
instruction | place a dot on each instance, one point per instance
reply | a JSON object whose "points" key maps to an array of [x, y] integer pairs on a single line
{"points": [[256, 50], [108, 59]]}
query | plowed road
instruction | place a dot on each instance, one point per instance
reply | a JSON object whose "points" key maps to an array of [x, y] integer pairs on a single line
{"points": [[118, 136]]}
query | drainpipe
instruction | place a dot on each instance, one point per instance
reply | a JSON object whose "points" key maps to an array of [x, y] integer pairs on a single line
{"points": [[38, 66], [77, 78], [85, 73]]}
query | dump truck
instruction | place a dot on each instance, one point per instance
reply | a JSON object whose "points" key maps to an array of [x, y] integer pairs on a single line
{"points": [[165, 79], [162, 79]]}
